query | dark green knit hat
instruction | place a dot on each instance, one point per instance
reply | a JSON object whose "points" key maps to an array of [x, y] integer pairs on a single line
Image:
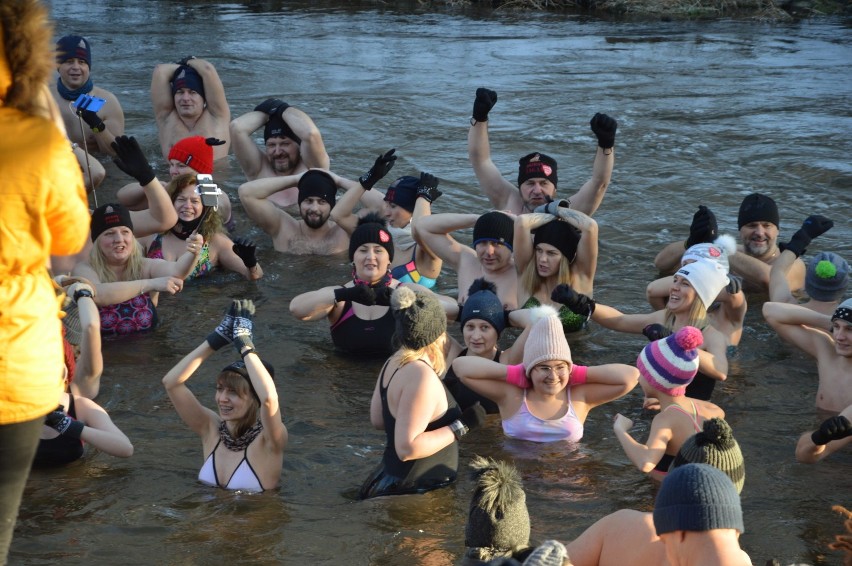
{"points": [[715, 445], [420, 318]]}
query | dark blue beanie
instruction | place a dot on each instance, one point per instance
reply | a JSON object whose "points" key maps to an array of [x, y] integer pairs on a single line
{"points": [[483, 303], [73, 47], [187, 77], [403, 192], [494, 227], [697, 497]]}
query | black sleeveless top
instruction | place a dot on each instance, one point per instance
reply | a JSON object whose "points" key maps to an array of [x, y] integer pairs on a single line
{"points": [[353, 335], [395, 477], [60, 450]]}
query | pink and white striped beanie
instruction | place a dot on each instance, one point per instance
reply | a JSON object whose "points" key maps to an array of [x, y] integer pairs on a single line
{"points": [[670, 364]]}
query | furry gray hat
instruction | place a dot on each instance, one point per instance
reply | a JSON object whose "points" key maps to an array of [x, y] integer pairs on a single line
{"points": [[420, 318], [498, 523]]}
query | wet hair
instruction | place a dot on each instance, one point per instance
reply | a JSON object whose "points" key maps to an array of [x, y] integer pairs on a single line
{"points": [[531, 281], [235, 381], [133, 271], [213, 223]]}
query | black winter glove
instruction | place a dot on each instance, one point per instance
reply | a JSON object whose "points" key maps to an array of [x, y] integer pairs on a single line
{"points": [[428, 187], [576, 302], [655, 332], [245, 249], [360, 293], [604, 128], [833, 428], [243, 314], [383, 295], [812, 227], [63, 424], [185, 61], [130, 159], [384, 163], [224, 332], [552, 207], [90, 118], [483, 103], [704, 228], [272, 106], [471, 418], [735, 284]]}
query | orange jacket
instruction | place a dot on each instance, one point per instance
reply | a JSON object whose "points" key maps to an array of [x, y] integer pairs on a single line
{"points": [[43, 211]]}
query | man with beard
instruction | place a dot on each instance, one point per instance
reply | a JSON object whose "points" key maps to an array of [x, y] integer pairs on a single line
{"points": [[189, 100], [758, 222], [293, 145], [313, 233], [536, 171]]}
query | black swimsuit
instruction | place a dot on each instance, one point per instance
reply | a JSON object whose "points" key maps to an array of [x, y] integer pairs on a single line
{"points": [[464, 395], [395, 477], [354, 335], [60, 450]]}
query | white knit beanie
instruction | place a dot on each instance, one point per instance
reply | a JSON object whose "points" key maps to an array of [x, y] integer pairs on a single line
{"points": [[546, 342], [707, 277]]}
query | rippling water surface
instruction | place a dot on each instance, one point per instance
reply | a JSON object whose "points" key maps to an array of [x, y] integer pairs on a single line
{"points": [[708, 112]]}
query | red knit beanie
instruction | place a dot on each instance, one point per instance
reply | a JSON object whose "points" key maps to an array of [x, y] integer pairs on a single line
{"points": [[194, 152]]}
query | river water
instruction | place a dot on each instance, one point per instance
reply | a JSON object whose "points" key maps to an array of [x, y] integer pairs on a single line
{"points": [[708, 112]]}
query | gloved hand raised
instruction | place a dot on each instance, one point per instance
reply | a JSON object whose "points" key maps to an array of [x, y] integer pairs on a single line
{"points": [[428, 187], [360, 293], [130, 159], [272, 106], [833, 428], [704, 228], [471, 418], [813, 226], [63, 424], [246, 251], [384, 163], [483, 103], [243, 314], [89, 117], [576, 302], [224, 332], [735, 284], [604, 128], [655, 331]]}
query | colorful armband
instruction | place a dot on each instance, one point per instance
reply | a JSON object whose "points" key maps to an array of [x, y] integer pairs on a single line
{"points": [[578, 375], [516, 375]]}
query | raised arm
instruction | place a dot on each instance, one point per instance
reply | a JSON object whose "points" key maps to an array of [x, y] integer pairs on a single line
{"points": [[312, 149], [703, 229], [100, 431], [271, 219], [197, 417], [314, 305], [523, 240], [804, 328], [713, 355], [161, 91], [586, 263], [484, 376], [589, 197], [248, 154], [239, 256], [751, 269], [434, 232], [180, 268], [669, 258], [612, 318], [343, 211], [214, 91], [606, 382], [643, 456], [779, 287], [90, 362], [498, 190]]}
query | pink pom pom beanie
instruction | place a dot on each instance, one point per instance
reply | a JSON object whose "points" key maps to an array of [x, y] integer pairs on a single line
{"points": [[670, 364]]}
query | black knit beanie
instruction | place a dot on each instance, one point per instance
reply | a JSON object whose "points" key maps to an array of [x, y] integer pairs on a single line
{"points": [[371, 230], [316, 183], [494, 227], [561, 235], [536, 165], [758, 208]]}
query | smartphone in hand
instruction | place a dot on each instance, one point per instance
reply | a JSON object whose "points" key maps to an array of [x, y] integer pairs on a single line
{"points": [[86, 102]]}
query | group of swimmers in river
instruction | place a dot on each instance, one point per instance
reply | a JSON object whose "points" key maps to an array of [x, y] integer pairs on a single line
{"points": [[531, 266]]}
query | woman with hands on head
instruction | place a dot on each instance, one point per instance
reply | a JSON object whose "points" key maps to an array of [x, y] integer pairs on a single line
{"points": [[548, 397], [405, 200], [125, 281], [193, 217], [420, 418], [555, 245], [693, 289], [244, 441]]}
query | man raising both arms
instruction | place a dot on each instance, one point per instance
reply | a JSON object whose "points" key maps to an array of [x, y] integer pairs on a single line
{"points": [[189, 100], [292, 141], [536, 171]]}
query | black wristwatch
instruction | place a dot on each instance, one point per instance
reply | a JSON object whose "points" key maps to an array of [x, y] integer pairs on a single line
{"points": [[82, 293]]}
